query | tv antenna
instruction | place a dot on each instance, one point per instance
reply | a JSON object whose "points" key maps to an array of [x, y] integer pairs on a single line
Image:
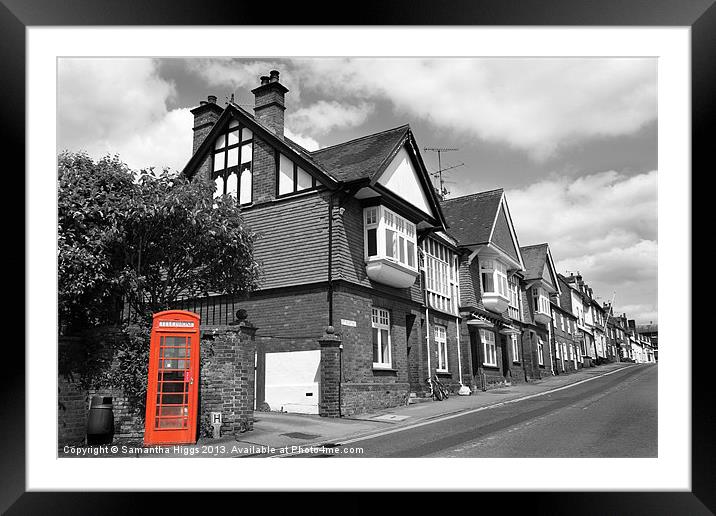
{"points": [[442, 191]]}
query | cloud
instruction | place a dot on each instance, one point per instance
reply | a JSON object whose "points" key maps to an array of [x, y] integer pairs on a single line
{"points": [[535, 105], [603, 225], [306, 142], [322, 116], [242, 75], [120, 106]]}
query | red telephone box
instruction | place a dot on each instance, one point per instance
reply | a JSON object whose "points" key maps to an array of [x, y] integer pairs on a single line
{"points": [[173, 386]]}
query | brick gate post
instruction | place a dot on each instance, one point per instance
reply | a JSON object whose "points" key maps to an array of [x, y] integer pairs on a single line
{"points": [[227, 375], [329, 402]]}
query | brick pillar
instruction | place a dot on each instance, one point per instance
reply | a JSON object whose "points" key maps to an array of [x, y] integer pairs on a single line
{"points": [[330, 402], [227, 377]]}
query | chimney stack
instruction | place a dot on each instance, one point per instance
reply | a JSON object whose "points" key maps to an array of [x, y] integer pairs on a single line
{"points": [[205, 116], [270, 104]]}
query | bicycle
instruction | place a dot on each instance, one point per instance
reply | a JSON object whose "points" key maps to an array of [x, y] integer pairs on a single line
{"points": [[444, 391], [435, 392]]}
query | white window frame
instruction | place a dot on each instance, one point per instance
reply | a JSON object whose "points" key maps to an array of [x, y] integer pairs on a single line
{"points": [[498, 270], [540, 300], [540, 351], [515, 349], [296, 177], [235, 179], [380, 319], [441, 345], [441, 276], [383, 220], [514, 307], [489, 347]]}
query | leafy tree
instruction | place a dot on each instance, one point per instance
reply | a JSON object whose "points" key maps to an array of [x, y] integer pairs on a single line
{"points": [[138, 242]]}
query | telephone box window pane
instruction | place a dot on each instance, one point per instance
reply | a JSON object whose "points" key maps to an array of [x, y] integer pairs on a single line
{"points": [[173, 387], [305, 180], [170, 423], [170, 411], [172, 399], [233, 157], [172, 376], [174, 341]]}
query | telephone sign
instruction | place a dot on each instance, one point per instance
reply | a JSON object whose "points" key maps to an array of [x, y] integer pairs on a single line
{"points": [[172, 388]]}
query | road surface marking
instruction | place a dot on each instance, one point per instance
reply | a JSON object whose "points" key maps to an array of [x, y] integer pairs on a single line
{"points": [[460, 414]]}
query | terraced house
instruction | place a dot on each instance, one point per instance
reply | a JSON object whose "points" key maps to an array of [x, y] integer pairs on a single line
{"points": [[352, 236]]}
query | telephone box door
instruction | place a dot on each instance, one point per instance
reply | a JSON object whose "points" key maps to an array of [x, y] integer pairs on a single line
{"points": [[172, 388]]}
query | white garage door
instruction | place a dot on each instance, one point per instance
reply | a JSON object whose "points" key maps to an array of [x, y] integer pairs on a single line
{"points": [[292, 381]]}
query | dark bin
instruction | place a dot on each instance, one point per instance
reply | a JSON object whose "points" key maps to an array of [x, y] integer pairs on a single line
{"points": [[100, 421]]}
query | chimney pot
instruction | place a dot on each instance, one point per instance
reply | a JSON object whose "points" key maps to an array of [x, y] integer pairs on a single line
{"points": [[273, 75], [203, 103], [211, 99], [264, 79]]}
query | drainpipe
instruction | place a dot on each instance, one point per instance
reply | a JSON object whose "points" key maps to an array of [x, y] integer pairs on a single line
{"points": [[330, 259]]}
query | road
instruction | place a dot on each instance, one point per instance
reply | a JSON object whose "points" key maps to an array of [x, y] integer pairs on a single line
{"points": [[610, 416]]}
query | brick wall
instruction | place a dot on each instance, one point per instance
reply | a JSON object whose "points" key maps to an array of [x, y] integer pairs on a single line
{"points": [[227, 378]]}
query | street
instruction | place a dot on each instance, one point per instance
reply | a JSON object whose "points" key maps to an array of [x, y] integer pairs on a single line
{"points": [[611, 416]]}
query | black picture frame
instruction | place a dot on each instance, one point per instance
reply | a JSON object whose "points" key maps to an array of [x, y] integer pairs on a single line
{"points": [[699, 15]]}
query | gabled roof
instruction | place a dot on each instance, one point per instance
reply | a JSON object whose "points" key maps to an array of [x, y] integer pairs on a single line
{"points": [[363, 157], [470, 218], [368, 157], [483, 218], [284, 144], [536, 259]]}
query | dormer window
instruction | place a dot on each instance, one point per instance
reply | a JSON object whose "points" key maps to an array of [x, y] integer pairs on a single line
{"points": [[232, 163]]}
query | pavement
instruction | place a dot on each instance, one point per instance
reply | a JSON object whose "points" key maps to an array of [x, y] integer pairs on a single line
{"points": [[282, 434]]}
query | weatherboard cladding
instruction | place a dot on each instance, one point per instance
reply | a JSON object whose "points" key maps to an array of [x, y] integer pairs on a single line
{"points": [[293, 243]]}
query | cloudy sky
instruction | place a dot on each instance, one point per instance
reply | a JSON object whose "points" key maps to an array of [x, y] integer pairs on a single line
{"points": [[572, 141]]}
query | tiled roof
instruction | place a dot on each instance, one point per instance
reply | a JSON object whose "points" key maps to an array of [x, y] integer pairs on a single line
{"points": [[360, 158], [470, 218], [534, 258]]}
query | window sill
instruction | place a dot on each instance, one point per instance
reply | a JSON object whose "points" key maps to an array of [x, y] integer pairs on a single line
{"points": [[443, 372], [491, 366], [386, 370]]}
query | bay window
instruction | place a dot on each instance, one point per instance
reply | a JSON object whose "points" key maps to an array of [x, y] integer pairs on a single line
{"points": [[390, 247], [540, 301], [489, 349], [380, 320], [441, 343], [441, 276], [494, 277], [232, 160]]}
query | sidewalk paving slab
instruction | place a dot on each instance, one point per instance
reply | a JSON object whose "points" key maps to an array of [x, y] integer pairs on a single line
{"points": [[278, 433]]}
